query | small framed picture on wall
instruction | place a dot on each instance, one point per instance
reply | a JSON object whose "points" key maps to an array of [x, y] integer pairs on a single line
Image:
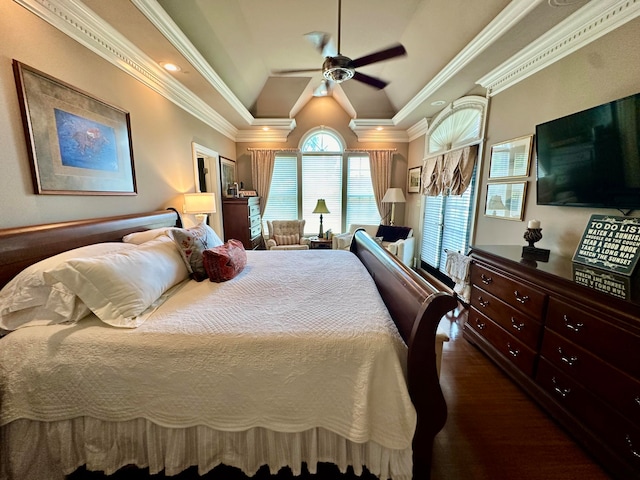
{"points": [[414, 182]]}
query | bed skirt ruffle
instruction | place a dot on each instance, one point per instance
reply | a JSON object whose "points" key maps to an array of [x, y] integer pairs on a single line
{"points": [[34, 450]]}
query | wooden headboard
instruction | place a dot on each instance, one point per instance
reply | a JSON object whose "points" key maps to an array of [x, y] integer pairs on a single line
{"points": [[24, 246]]}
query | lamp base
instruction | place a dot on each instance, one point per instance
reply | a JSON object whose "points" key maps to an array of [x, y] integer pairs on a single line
{"points": [[201, 218]]}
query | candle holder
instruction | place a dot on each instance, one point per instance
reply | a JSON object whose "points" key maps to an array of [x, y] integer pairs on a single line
{"points": [[530, 252]]}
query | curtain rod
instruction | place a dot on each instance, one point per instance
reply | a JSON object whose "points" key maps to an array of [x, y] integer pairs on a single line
{"points": [[251, 149], [350, 150]]}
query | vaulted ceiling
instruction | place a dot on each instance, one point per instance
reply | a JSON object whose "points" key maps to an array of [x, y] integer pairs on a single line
{"points": [[228, 51]]}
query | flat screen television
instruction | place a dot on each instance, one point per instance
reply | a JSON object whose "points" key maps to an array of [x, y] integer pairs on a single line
{"points": [[591, 158]]}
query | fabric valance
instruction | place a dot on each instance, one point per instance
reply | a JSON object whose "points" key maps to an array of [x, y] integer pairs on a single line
{"points": [[449, 174]]}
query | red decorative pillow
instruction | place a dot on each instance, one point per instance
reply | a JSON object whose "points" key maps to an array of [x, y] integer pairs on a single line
{"points": [[224, 262]]}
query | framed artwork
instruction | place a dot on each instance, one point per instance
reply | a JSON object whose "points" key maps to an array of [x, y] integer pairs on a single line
{"points": [[227, 174], [78, 145], [511, 159], [415, 178], [505, 200]]}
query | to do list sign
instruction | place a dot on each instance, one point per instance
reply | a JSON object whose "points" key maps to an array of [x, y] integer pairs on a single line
{"points": [[610, 243]]}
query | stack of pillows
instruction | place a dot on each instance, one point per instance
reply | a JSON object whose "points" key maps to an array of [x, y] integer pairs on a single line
{"points": [[121, 283]]}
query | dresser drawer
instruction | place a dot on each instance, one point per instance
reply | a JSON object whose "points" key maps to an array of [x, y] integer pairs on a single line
{"points": [[615, 431], [610, 384], [519, 325], [254, 221], [254, 210], [523, 297], [256, 242], [505, 343], [612, 344]]}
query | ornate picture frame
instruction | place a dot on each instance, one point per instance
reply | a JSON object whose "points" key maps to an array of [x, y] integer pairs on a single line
{"points": [[414, 182], [77, 144], [511, 159], [505, 200], [227, 174]]}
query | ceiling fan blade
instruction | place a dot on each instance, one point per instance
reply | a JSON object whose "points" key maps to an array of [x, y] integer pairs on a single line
{"points": [[299, 70], [321, 41], [391, 52], [369, 80]]}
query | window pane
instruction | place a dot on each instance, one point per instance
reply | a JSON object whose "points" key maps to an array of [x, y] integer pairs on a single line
{"points": [[322, 178], [282, 203], [361, 202], [322, 142]]}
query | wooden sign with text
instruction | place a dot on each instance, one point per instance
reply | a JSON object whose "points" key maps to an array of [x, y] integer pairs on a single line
{"points": [[610, 243]]}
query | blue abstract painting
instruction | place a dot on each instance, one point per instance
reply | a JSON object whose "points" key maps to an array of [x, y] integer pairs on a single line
{"points": [[85, 143]]}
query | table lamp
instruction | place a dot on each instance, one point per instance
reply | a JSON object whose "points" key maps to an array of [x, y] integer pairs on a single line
{"points": [[200, 205], [495, 203], [321, 207], [393, 196]]}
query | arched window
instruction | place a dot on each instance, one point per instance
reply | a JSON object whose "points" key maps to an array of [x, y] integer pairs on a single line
{"points": [[447, 220], [342, 179]]}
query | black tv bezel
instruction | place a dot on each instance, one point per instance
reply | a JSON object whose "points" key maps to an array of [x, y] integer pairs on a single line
{"points": [[625, 208]]}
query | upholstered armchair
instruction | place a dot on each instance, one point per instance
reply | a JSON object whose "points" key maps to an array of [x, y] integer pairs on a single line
{"points": [[398, 240], [287, 235]]}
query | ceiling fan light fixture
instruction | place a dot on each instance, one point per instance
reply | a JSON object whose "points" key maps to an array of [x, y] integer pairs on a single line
{"points": [[337, 69]]}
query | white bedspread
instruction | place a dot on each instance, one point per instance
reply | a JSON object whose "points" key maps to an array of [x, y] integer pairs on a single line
{"points": [[299, 340]]}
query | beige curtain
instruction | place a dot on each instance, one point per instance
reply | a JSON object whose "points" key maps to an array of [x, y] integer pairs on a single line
{"points": [[262, 162], [449, 173]]}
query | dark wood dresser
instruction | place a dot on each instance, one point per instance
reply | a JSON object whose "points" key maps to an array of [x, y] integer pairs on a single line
{"points": [[575, 350], [242, 221]]}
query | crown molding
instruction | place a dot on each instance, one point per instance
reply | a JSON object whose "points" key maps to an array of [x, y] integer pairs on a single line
{"points": [[168, 28], [76, 20], [270, 130], [417, 130], [586, 25], [366, 129], [506, 19]]}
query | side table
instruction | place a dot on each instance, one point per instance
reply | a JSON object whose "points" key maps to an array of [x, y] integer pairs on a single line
{"points": [[320, 243]]}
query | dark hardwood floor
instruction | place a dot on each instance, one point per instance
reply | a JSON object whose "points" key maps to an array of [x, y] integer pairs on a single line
{"points": [[493, 431]]}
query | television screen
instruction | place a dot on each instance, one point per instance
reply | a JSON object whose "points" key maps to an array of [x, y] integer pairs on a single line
{"points": [[591, 158]]}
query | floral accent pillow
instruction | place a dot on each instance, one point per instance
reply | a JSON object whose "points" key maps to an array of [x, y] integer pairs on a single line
{"points": [[226, 261], [191, 242]]}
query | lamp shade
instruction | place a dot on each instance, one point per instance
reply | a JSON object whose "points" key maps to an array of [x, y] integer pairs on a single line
{"points": [[321, 207], [195, 203], [393, 195]]}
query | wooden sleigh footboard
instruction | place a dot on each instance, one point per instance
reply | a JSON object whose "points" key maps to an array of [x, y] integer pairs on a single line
{"points": [[416, 307]]}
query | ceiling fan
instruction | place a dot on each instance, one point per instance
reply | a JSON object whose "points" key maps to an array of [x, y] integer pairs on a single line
{"points": [[339, 68]]}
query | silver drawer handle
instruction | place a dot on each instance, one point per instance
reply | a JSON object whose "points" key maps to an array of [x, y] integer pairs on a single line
{"points": [[571, 361], [634, 452], [571, 326], [513, 351], [563, 392], [516, 325], [480, 324], [521, 298], [483, 303], [486, 280], [637, 400]]}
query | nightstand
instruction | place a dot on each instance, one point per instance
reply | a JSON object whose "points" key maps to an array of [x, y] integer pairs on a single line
{"points": [[320, 243]]}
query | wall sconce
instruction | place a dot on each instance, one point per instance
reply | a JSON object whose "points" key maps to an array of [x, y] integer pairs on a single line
{"points": [[393, 196], [200, 205]]}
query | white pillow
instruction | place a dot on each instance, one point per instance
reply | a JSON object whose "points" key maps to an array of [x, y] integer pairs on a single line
{"points": [[119, 287], [27, 300], [141, 237]]}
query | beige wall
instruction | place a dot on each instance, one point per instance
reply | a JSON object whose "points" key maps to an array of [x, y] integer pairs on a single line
{"points": [[161, 132], [326, 111], [605, 70]]}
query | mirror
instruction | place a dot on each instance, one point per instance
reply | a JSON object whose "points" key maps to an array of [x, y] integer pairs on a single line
{"points": [[511, 159]]}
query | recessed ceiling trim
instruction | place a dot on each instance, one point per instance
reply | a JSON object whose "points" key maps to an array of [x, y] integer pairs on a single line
{"points": [[366, 130], [589, 23], [168, 28], [81, 24], [418, 129], [504, 21]]}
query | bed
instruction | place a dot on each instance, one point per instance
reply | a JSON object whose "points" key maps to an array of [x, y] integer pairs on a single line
{"points": [[217, 370]]}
